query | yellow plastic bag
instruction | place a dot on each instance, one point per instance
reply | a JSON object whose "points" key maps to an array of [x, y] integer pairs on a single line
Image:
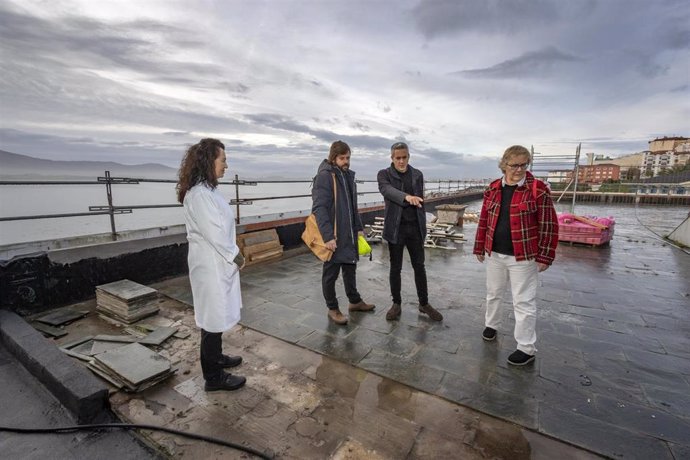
{"points": [[363, 247]]}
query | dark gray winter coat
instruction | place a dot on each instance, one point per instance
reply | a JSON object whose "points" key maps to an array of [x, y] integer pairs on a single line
{"points": [[349, 221], [391, 187]]}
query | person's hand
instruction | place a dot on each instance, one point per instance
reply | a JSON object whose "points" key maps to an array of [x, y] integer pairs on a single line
{"points": [[541, 267], [331, 245], [244, 262], [414, 200], [360, 233], [480, 258]]}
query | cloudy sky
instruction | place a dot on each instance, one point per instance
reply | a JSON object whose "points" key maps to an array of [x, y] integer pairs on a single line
{"points": [[278, 81]]}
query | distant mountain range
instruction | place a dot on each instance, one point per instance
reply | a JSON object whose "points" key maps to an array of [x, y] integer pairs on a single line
{"points": [[16, 167]]}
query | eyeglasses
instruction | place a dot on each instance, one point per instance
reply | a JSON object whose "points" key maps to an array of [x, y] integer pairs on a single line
{"points": [[518, 166]]}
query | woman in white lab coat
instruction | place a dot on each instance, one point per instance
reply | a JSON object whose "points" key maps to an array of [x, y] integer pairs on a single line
{"points": [[214, 258]]}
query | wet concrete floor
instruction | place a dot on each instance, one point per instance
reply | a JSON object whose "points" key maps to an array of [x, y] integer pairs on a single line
{"points": [[299, 404], [612, 372]]}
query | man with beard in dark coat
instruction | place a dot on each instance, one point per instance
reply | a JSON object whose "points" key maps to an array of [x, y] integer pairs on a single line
{"points": [[340, 224]]}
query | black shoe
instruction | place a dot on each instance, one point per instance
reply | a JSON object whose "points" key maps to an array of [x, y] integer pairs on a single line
{"points": [[230, 361], [227, 382], [520, 358], [489, 334]]}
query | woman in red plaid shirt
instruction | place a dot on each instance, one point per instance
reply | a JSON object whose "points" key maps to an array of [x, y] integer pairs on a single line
{"points": [[517, 235]]}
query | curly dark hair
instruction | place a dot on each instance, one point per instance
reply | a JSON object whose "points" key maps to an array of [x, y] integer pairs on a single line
{"points": [[198, 166]]}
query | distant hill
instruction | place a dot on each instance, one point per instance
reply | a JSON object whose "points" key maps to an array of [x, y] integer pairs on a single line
{"points": [[18, 167]]}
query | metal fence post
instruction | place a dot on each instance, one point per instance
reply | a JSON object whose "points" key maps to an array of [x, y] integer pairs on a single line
{"points": [[109, 192], [237, 199]]}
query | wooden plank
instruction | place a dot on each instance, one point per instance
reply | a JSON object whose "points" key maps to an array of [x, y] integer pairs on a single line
{"points": [[266, 255], [590, 222], [248, 239], [261, 247]]}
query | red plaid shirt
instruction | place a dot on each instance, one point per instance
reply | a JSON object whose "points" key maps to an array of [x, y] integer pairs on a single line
{"points": [[533, 221]]}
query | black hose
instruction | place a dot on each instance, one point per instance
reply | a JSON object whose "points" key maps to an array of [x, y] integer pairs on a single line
{"points": [[131, 426]]}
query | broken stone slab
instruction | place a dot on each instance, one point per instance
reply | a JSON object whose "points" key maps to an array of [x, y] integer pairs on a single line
{"points": [[62, 316], [182, 334], [116, 338], [158, 336], [49, 331], [76, 342], [103, 346], [134, 363]]}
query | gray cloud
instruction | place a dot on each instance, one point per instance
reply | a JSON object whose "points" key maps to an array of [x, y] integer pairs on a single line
{"points": [[288, 84], [604, 145], [648, 68], [531, 64], [115, 45], [441, 17], [360, 126], [89, 148], [371, 143]]}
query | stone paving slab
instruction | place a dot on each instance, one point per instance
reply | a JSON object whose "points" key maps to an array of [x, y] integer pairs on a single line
{"points": [[613, 365]]}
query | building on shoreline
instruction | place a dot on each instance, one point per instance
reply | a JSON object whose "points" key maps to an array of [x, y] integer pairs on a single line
{"points": [[630, 165], [666, 154], [597, 174]]}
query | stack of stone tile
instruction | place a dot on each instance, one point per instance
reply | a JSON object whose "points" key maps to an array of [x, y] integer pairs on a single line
{"points": [[126, 301], [132, 367], [260, 246]]}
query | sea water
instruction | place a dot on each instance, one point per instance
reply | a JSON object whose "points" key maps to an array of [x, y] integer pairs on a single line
{"points": [[26, 200], [23, 200]]}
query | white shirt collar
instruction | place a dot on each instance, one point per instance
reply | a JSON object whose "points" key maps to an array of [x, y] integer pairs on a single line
{"points": [[519, 184]]}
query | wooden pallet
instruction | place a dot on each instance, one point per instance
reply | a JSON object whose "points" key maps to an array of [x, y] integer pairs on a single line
{"points": [[260, 246]]}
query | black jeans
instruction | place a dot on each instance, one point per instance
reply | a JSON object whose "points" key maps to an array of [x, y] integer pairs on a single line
{"points": [[409, 237], [211, 355], [331, 270]]}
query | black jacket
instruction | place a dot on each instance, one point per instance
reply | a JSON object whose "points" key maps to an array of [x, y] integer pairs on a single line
{"points": [[348, 219], [391, 186]]}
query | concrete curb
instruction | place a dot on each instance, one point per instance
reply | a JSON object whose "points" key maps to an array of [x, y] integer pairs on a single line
{"points": [[74, 386]]}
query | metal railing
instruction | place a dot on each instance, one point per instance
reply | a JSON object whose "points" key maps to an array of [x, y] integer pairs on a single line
{"points": [[441, 187]]}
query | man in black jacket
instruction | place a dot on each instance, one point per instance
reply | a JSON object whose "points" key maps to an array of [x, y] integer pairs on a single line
{"points": [[404, 226], [339, 223]]}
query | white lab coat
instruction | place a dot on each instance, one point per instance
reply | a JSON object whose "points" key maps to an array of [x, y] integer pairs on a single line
{"points": [[215, 278]]}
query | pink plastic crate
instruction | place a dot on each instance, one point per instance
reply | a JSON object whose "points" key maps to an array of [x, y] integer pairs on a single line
{"points": [[575, 231]]}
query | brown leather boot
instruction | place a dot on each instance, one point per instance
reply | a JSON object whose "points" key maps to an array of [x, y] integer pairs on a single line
{"points": [[394, 312], [361, 306], [337, 317], [431, 311]]}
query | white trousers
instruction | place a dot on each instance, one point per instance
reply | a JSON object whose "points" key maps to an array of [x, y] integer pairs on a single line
{"points": [[523, 279]]}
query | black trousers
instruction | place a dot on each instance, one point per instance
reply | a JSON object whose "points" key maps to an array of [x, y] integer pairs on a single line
{"points": [[211, 355], [331, 270], [409, 237]]}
